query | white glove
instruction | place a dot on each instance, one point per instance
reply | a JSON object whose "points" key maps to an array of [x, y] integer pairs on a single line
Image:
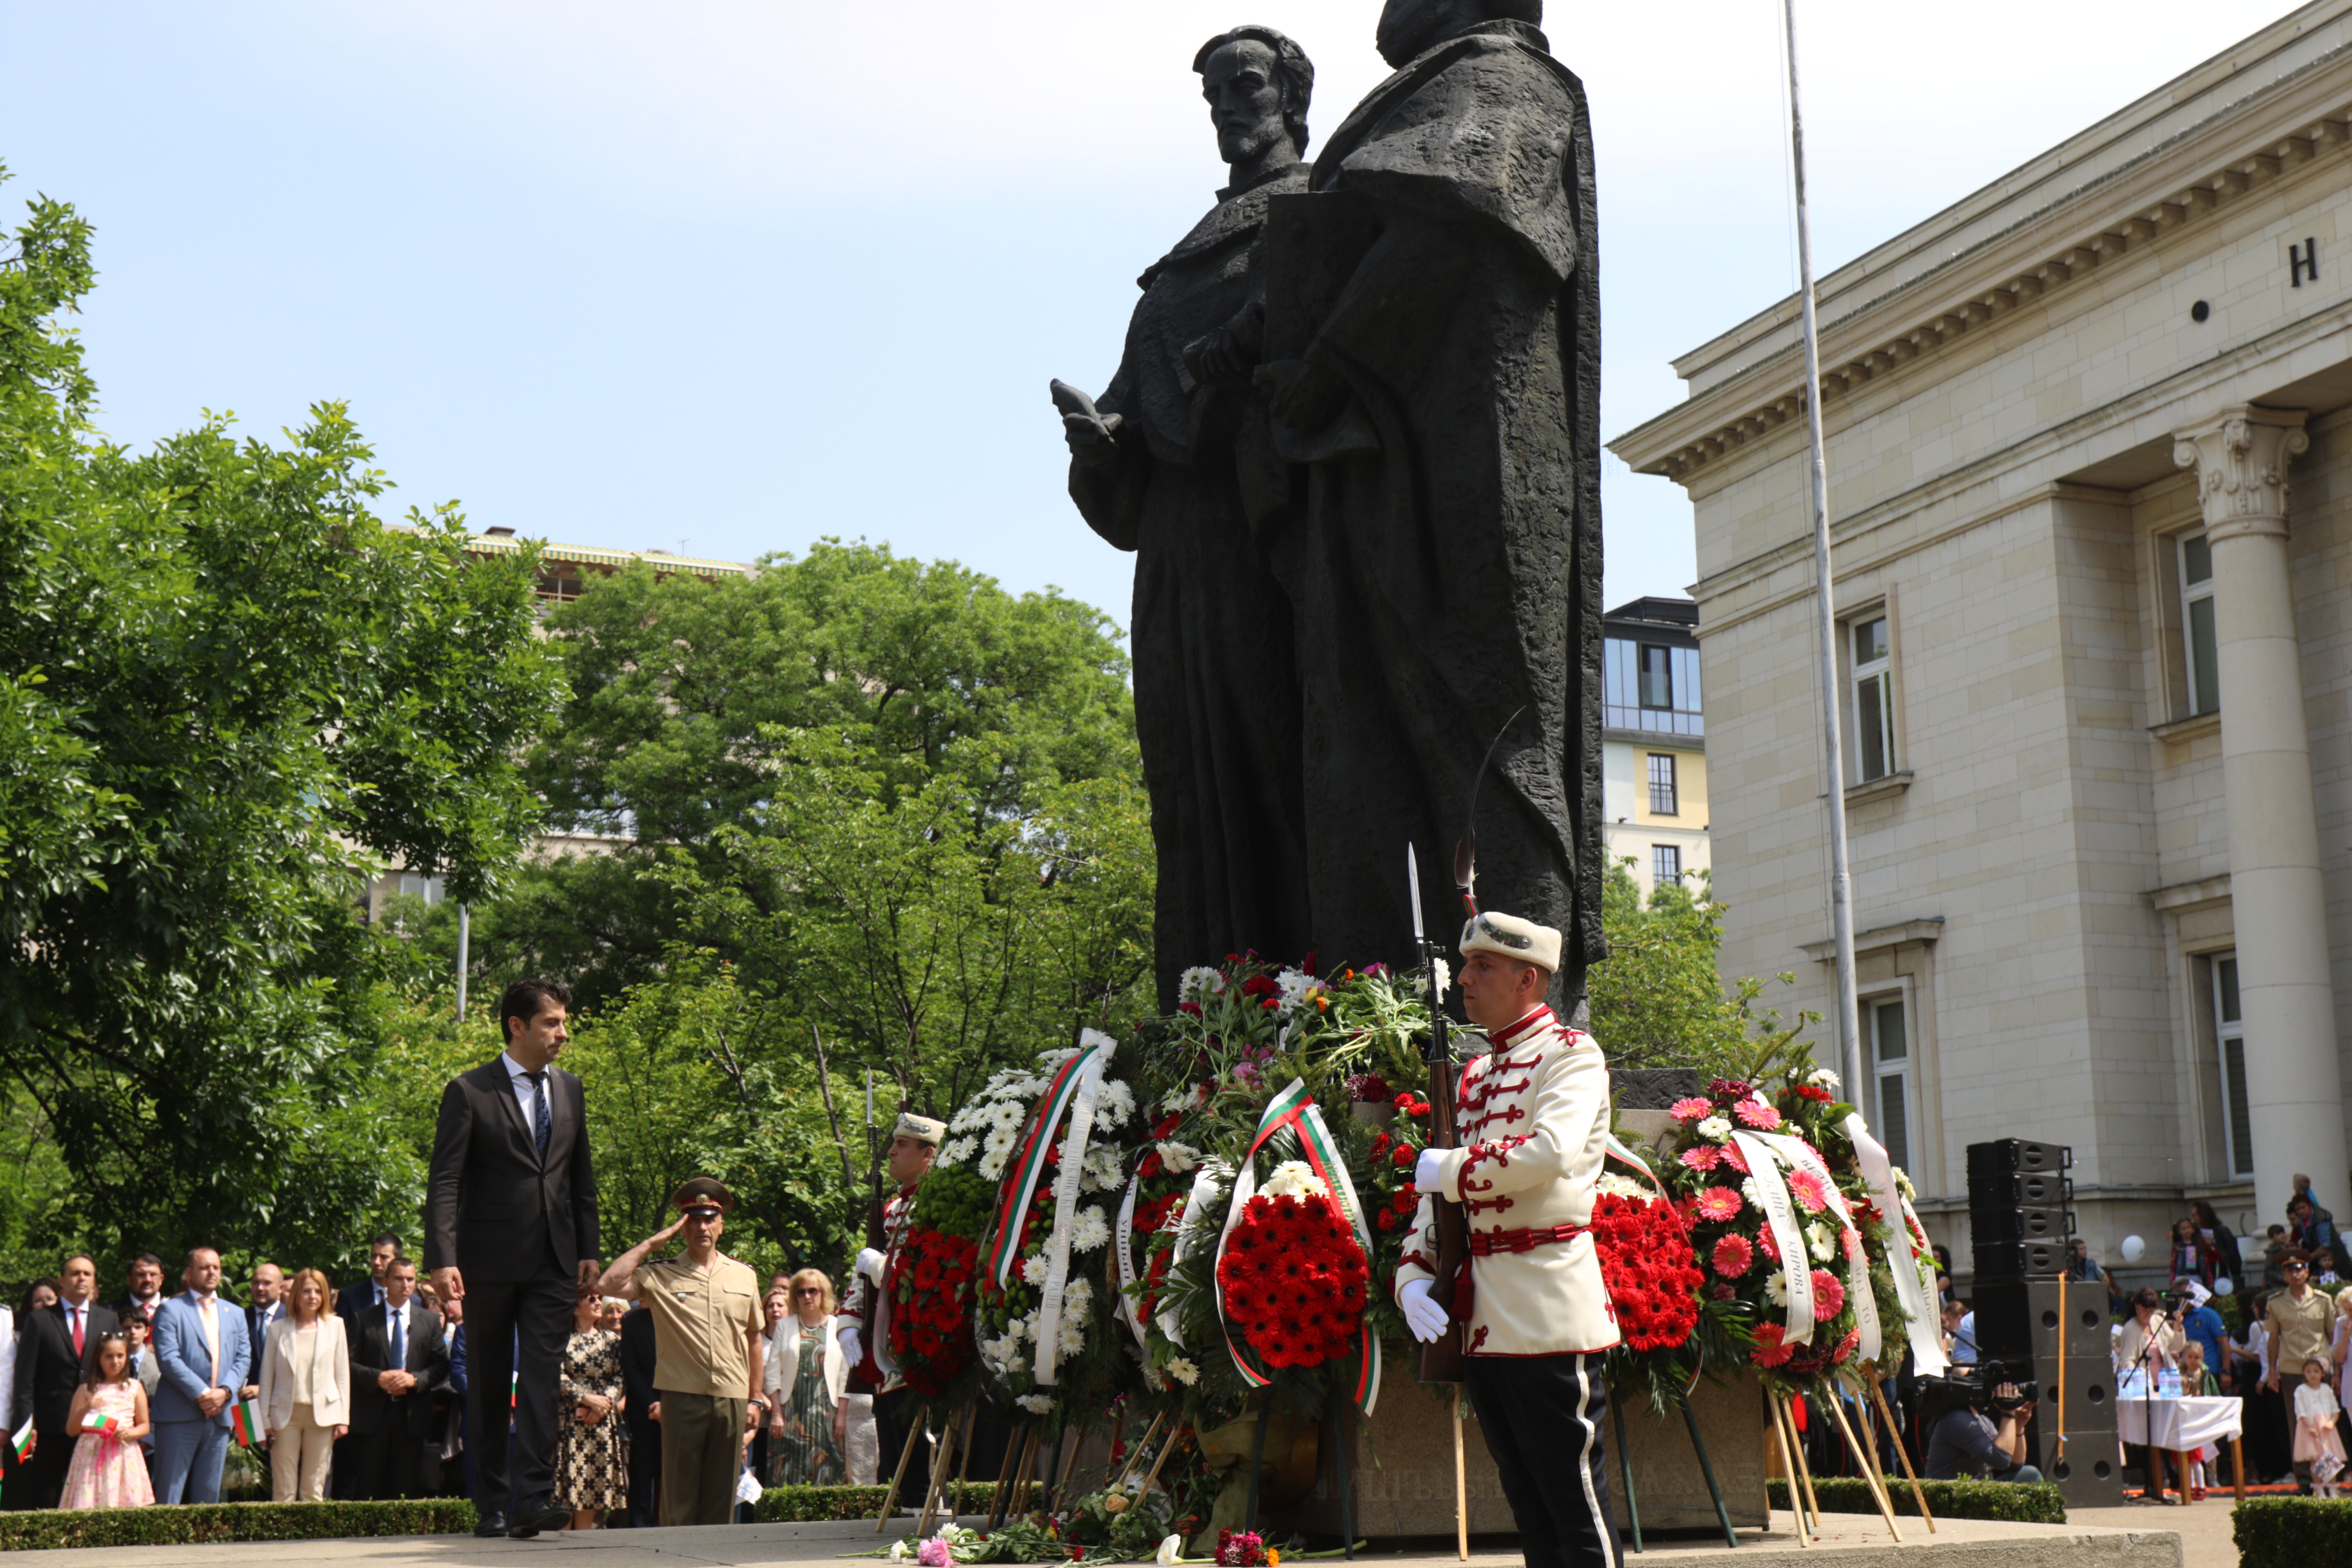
{"points": [[853, 1348], [1423, 1315], [869, 1263], [1429, 1171]]}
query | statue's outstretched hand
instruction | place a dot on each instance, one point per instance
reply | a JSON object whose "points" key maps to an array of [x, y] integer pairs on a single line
{"points": [[1093, 436]]}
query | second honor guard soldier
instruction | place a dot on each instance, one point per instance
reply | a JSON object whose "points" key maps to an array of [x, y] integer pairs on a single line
{"points": [[1533, 1123], [914, 1141]]}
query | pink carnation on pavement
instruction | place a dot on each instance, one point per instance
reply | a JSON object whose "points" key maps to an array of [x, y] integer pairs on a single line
{"points": [[1691, 1109], [1699, 1157], [1733, 1257], [1809, 1190], [1829, 1296], [1757, 1114], [1717, 1205]]}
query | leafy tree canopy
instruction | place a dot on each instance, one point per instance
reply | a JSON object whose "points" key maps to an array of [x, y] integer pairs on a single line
{"points": [[229, 692]]}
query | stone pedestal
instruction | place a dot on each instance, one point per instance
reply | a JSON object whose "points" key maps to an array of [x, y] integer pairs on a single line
{"points": [[1401, 1466]]}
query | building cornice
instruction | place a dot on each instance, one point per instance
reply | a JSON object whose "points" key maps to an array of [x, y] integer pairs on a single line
{"points": [[2277, 132], [1877, 938]]}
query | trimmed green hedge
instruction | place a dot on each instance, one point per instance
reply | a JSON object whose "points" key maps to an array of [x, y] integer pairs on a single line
{"points": [[197, 1524], [2037, 1503], [2290, 1531], [798, 1505]]}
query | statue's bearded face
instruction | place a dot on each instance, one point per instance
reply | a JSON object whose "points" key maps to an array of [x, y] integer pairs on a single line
{"points": [[1244, 94], [1408, 26]]}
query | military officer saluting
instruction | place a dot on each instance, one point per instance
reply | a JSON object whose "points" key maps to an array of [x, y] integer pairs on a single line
{"points": [[1533, 1117], [914, 1143]]}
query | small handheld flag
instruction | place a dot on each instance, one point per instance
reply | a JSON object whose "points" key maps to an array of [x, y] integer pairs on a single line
{"points": [[245, 1420], [22, 1439], [105, 1425]]}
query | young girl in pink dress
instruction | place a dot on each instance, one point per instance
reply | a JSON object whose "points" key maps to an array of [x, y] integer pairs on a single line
{"points": [[2315, 1442], [108, 1470]]}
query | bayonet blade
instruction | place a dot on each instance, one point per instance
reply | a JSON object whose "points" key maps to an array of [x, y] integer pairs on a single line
{"points": [[1413, 876]]}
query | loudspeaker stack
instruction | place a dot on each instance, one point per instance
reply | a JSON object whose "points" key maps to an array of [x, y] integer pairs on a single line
{"points": [[2020, 1215]]}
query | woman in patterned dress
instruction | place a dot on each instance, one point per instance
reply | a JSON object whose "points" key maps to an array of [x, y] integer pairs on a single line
{"points": [[807, 1375], [591, 1458]]}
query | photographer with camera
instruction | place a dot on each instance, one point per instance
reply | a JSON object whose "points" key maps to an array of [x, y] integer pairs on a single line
{"points": [[1981, 1433]]}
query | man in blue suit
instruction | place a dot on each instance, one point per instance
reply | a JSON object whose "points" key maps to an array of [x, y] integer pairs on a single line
{"points": [[200, 1346]]}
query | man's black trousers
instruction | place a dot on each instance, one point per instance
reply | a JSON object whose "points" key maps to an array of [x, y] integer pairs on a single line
{"points": [[1541, 1417], [645, 1471], [528, 1323], [895, 1415]]}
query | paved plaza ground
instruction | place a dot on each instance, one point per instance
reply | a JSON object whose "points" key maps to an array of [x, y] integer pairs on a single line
{"points": [[2136, 1536]]}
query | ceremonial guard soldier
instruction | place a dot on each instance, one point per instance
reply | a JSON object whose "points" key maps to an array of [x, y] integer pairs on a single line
{"points": [[1534, 1122], [914, 1141]]}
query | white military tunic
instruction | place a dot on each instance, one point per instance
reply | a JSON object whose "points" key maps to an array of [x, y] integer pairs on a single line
{"points": [[1532, 1123], [897, 1210]]}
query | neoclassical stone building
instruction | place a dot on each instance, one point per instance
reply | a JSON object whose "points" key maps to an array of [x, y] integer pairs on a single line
{"points": [[2090, 450]]}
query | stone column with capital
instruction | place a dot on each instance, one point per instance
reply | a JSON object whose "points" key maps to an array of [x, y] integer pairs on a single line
{"points": [[2278, 902]]}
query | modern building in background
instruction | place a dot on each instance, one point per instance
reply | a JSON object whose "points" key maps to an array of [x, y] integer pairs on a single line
{"points": [[2090, 451], [1654, 742], [565, 570]]}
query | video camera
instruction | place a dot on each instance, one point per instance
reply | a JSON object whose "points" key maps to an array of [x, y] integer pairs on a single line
{"points": [[1974, 1390]]}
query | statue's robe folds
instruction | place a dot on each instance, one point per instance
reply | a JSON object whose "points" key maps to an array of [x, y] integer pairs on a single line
{"points": [[1444, 560], [1217, 692]]}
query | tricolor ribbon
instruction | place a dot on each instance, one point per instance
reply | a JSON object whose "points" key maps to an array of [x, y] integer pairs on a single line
{"points": [[1294, 1109], [1028, 1164], [1094, 1056], [1914, 1286], [1801, 1155], [1780, 1213]]}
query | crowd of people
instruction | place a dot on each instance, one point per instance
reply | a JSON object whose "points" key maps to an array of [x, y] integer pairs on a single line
{"points": [[358, 1392], [2288, 1358]]}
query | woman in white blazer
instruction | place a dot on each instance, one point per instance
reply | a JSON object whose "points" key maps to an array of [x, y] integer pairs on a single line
{"points": [[807, 1375], [306, 1389]]}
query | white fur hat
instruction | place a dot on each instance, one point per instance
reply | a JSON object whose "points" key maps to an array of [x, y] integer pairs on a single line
{"points": [[1509, 936]]}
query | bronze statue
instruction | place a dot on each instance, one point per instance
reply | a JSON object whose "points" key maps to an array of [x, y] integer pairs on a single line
{"points": [[1153, 469], [1432, 349]]}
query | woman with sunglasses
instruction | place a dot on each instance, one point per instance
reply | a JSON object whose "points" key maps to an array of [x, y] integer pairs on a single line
{"points": [[806, 1376]]}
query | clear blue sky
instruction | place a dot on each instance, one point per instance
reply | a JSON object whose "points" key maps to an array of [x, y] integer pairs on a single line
{"points": [[732, 277]]}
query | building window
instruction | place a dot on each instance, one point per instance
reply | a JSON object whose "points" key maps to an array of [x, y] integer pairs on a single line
{"points": [[2230, 1028], [1657, 676], [1662, 783], [1890, 1075], [1665, 864], [2202, 652], [1874, 700]]}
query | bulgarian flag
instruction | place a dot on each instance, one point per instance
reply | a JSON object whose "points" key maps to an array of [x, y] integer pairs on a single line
{"points": [[22, 1439], [245, 1420], [105, 1425]]}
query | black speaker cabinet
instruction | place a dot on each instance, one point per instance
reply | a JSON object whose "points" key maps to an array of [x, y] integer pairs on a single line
{"points": [[2017, 1154], [2017, 1319], [2013, 1189], [2020, 1224], [2088, 1473], [2090, 1394], [2020, 1260]]}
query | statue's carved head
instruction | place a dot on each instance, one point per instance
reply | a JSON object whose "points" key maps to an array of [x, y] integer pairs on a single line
{"points": [[1258, 82], [1408, 26]]}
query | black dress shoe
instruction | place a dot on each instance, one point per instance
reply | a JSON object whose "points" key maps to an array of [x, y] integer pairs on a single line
{"points": [[531, 1521], [490, 1524]]}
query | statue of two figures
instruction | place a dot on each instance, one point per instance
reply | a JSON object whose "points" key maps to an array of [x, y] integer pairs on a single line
{"points": [[1353, 442]]}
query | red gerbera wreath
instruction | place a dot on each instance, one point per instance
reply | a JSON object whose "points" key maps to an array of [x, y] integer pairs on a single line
{"points": [[1652, 1274], [930, 1308], [1294, 1280]]}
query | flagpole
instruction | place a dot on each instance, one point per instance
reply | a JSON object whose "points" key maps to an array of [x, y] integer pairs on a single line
{"points": [[1849, 1011]]}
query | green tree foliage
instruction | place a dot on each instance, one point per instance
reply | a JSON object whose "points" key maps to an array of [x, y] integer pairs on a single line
{"points": [[228, 691], [1657, 1000]]}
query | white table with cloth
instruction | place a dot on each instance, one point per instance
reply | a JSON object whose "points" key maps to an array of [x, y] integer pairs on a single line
{"points": [[2184, 1425]]}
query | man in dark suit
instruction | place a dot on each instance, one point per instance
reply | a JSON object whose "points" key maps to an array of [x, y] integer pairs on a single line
{"points": [[511, 1230], [638, 1416], [362, 1297], [145, 1289], [48, 1369], [397, 1355]]}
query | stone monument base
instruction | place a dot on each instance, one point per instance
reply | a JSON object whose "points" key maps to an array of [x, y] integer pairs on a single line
{"points": [[1401, 1466]]}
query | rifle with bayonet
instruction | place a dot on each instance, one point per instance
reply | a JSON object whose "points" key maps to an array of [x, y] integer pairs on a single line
{"points": [[1441, 1359], [865, 1377]]}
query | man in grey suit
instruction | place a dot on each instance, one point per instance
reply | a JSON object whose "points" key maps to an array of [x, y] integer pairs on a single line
{"points": [[511, 1230], [201, 1349]]}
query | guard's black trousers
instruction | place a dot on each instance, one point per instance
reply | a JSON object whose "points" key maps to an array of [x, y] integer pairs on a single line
{"points": [[1541, 1420]]}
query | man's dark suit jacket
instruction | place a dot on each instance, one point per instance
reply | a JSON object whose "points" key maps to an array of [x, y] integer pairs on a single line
{"points": [[47, 1371], [353, 1302], [638, 1367], [495, 1209], [411, 1415]]}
